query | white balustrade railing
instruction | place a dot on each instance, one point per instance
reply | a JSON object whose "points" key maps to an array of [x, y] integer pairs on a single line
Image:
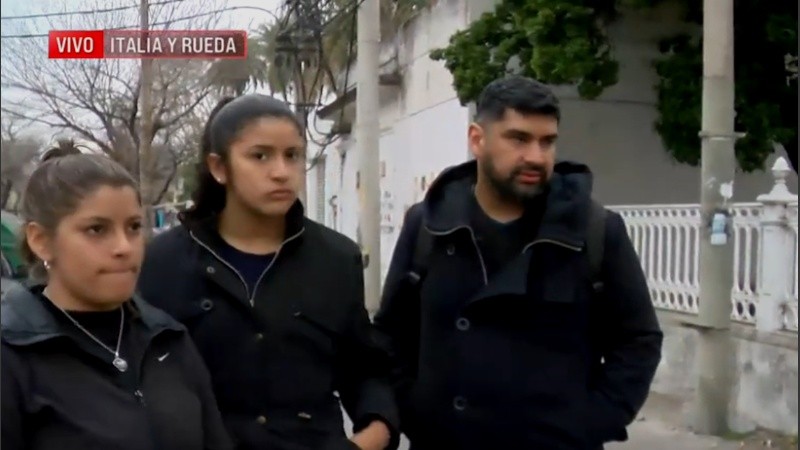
{"points": [[665, 237], [764, 233]]}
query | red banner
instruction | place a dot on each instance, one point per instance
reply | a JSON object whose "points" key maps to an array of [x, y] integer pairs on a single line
{"points": [[176, 44]]}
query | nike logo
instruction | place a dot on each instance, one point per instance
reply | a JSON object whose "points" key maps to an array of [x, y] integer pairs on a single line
{"points": [[163, 357]]}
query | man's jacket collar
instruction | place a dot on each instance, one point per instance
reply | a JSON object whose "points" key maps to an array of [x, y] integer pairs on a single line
{"points": [[446, 206]]}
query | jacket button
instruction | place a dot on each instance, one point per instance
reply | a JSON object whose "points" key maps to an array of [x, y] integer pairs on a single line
{"points": [[259, 337], [210, 270], [459, 403], [261, 420], [451, 249], [206, 304], [462, 324]]}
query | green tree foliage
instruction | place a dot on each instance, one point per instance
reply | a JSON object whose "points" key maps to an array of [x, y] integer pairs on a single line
{"points": [[565, 42], [557, 41], [766, 92]]}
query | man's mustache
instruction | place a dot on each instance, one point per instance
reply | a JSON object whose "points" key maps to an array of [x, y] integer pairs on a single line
{"points": [[542, 171]]}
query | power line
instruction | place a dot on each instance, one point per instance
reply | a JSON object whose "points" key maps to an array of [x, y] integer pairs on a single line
{"points": [[90, 11], [330, 139], [169, 22]]}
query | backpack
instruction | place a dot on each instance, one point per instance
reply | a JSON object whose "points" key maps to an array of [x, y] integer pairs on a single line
{"points": [[595, 242]]}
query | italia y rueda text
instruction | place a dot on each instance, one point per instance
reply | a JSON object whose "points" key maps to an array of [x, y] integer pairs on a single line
{"points": [[110, 44]]}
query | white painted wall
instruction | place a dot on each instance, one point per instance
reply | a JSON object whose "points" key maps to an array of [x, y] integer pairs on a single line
{"points": [[423, 130]]}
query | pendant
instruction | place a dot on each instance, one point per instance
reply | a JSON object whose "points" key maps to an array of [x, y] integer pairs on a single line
{"points": [[120, 364]]}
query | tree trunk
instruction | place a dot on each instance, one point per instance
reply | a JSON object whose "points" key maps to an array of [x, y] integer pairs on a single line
{"points": [[165, 187], [302, 116]]}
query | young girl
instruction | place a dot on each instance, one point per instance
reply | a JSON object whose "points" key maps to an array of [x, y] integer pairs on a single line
{"points": [[274, 301], [85, 363]]}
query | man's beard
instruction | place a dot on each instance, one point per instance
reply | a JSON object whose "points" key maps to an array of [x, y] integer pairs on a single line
{"points": [[507, 187]]}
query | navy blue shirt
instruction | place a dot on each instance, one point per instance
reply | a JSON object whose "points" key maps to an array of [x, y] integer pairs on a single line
{"points": [[249, 265], [501, 242]]}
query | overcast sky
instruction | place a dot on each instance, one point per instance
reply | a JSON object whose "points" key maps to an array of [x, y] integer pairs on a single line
{"points": [[239, 19], [245, 19]]}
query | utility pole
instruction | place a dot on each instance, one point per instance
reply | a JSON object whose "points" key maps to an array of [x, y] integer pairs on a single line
{"points": [[718, 161], [367, 144], [145, 108], [301, 110]]}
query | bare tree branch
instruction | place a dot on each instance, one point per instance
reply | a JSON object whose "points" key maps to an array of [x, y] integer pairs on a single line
{"points": [[97, 100], [17, 153]]}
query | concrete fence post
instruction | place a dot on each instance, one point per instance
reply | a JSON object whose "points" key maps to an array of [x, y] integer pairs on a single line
{"points": [[777, 251]]}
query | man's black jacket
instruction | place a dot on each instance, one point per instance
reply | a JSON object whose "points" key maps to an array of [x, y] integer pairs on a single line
{"points": [[277, 359], [531, 358]]}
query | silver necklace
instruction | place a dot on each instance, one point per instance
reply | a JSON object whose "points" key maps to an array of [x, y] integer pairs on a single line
{"points": [[119, 363]]}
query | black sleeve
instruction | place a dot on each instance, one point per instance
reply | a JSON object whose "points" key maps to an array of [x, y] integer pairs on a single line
{"points": [[632, 338], [167, 277], [362, 368], [12, 416], [150, 284], [397, 320], [215, 435]]}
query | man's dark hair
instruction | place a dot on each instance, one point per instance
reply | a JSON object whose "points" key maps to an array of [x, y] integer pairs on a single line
{"points": [[522, 94]]}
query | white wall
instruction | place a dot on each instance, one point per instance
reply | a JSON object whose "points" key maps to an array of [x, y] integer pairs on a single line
{"points": [[421, 144], [423, 130]]}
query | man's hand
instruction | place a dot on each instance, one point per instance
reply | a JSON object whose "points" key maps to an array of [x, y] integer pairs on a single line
{"points": [[376, 436]]}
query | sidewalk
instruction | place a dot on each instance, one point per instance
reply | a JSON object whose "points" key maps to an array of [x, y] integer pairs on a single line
{"points": [[655, 435], [658, 428]]}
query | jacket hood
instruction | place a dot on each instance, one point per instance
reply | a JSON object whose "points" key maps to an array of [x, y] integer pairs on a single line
{"points": [[25, 320], [569, 196]]}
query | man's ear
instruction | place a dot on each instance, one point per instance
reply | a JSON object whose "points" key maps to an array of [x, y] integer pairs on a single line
{"points": [[476, 139]]}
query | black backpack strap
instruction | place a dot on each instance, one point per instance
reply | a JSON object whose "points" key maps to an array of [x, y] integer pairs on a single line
{"points": [[595, 243]]}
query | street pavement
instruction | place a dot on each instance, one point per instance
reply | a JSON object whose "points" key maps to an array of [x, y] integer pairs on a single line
{"points": [[656, 435], [655, 429]]}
